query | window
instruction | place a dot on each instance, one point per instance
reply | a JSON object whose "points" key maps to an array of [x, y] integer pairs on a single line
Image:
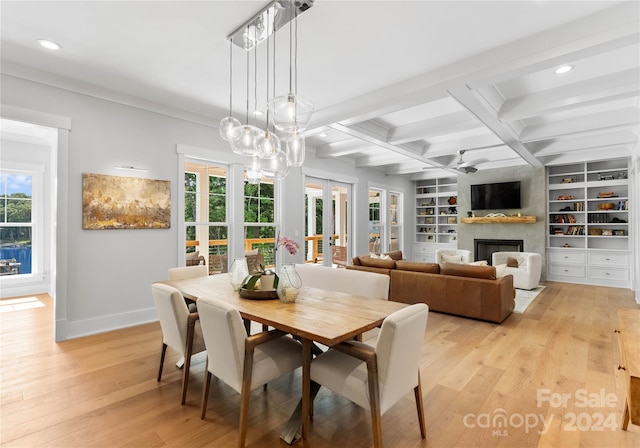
{"points": [[375, 222], [385, 221], [395, 224], [205, 214], [16, 223], [259, 218]]}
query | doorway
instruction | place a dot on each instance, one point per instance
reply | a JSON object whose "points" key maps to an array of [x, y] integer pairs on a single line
{"points": [[328, 212]]}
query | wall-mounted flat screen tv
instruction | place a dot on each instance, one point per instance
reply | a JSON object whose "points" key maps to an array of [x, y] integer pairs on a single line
{"points": [[502, 195]]}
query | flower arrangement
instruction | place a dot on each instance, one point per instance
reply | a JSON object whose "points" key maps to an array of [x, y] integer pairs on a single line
{"points": [[290, 245]]}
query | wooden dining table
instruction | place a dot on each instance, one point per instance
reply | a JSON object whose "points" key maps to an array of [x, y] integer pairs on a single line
{"points": [[318, 315]]}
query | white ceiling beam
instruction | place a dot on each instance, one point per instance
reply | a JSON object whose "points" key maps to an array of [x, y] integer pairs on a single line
{"points": [[593, 91], [341, 148], [412, 151], [487, 115], [534, 60], [581, 156], [604, 140], [603, 120], [386, 158], [616, 23], [424, 129], [469, 143]]}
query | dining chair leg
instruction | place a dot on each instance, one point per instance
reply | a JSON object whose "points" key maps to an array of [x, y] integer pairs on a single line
{"points": [[187, 359], [162, 353], [245, 396], [205, 392], [374, 401], [420, 406]]}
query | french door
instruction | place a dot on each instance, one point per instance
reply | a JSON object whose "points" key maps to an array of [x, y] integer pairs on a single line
{"points": [[328, 221]]}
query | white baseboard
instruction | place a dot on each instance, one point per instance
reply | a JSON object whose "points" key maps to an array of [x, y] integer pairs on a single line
{"points": [[75, 329]]}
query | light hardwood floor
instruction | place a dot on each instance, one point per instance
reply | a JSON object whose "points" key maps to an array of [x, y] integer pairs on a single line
{"points": [[101, 391]]}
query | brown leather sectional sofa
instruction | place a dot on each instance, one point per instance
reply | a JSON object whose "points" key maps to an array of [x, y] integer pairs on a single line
{"points": [[463, 290]]}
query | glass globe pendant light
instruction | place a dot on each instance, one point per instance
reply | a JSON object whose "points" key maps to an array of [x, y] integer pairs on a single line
{"points": [[228, 124], [268, 143], [295, 148], [252, 168], [244, 137], [275, 168], [290, 112]]}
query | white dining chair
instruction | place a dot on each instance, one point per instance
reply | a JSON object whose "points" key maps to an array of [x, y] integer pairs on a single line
{"points": [[377, 377], [185, 272], [180, 329], [243, 362]]}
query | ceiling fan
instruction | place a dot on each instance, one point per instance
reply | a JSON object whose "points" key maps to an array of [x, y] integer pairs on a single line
{"points": [[462, 166]]}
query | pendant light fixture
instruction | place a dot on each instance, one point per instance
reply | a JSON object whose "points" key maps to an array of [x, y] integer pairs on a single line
{"points": [[269, 143], [290, 112], [228, 124], [244, 137], [253, 170]]}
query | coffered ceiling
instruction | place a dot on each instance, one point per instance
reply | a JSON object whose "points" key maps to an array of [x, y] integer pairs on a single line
{"points": [[398, 86]]}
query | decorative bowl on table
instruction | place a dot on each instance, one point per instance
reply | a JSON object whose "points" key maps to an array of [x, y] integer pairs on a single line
{"points": [[258, 294]]}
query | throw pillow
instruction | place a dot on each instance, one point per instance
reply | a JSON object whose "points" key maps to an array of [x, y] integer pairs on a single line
{"points": [[451, 258], [500, 270], [377, 263], [373, 255], [429, 268], [395, 254], [479, 263], [385, 257], [512, 262], [465, 270]]}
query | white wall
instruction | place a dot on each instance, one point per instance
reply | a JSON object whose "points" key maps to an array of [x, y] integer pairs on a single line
{"points": [[107, 273]]}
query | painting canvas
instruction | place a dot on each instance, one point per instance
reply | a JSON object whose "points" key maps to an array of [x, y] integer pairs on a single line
{"points": [[114, 202]]}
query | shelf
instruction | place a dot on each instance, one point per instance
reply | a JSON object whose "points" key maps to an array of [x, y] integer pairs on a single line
{"points": [[500, 220]]}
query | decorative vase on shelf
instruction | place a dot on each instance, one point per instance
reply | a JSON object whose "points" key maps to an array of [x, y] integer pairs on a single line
{"points": [[289, 284], [239, 271]]}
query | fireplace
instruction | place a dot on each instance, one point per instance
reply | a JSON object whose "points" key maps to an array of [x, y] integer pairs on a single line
{"points": [[484, 248]]}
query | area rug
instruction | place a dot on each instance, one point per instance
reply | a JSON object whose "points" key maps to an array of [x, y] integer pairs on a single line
{"points": [[524, 298]]}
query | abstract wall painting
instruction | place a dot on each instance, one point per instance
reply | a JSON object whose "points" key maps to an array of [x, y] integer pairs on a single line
{"points": [[114, 202]]}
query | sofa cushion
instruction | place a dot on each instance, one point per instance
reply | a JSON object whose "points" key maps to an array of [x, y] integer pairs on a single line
{"points": [[501, 270], [377, 263], [512, 262], [430, 268], [479, 263], [466, 270], [356, 261], [451, 258]]}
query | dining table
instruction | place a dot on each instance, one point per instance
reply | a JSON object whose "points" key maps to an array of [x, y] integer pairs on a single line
{"points": [[319, 316]]}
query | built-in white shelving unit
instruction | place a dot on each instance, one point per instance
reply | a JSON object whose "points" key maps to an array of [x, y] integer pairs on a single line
{"points": [[436, 216], [589, 235]]}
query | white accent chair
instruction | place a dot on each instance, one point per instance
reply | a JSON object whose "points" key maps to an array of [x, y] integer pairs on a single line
{"points": [[453, 256], [243, 362], [180, 328], [527, 274], [348, 281], [377, 377]]}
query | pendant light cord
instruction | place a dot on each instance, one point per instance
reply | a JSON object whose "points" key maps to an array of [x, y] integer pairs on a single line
{"points": [[291, 48], [247, 113], [230, 77]]}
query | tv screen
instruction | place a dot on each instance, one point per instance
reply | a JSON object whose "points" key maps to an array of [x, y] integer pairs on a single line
{"points": [[495, 196]]}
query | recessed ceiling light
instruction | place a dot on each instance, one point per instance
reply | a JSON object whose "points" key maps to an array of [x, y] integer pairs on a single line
{"points": [[322, 135], [257, 113], [564, 69], [49, 44]]}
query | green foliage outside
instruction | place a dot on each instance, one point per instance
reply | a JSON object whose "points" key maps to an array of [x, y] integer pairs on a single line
{"points": [[15, 208]]}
